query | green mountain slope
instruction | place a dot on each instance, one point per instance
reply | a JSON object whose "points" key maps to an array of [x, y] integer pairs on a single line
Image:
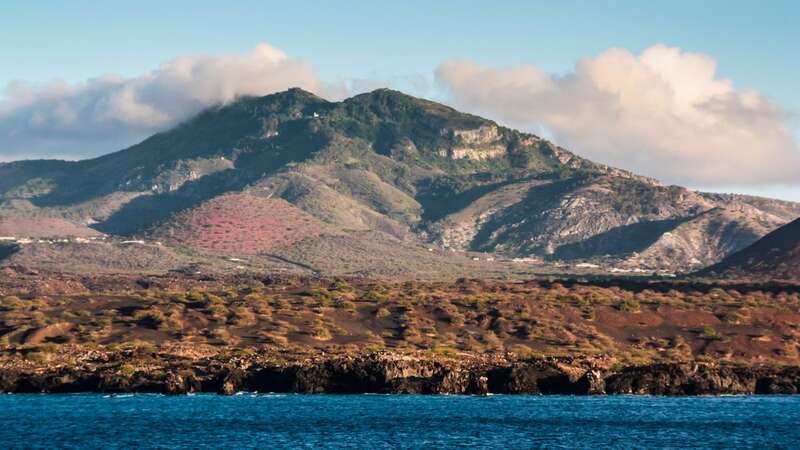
{"points": [[384, 162]]}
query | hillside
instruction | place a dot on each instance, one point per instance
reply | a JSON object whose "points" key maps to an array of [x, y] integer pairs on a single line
{"points": [[407, 172], [239, 224], [615, 322], [774, 257]]}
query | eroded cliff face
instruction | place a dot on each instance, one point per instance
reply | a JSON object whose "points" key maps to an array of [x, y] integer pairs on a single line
{"points": [[386, 373], [484, 142]]}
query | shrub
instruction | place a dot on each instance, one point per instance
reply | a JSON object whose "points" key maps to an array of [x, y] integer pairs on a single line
{"points": [[342, 285], [150, 318], [211, 299], [37, 356], [41, 353], [374, 347], [195, 297], [324, 297], [629, 306], [254, 298], [320, 331], [444, 350], [11, 303], [217, 311], [375, 296], [709, 332], [273, 338], [242, 316], [344, 304], [280, 304]]}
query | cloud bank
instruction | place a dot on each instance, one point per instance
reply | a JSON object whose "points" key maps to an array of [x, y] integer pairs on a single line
{"points": [[662, 113], [72, 121]]}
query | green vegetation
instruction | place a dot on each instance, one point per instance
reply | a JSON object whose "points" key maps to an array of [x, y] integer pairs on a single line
{"points": [[629, 306], [709, 332]]}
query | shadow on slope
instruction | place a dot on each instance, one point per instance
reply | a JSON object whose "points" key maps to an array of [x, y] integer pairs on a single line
{"points": [[262, 159], [7, 250], [633, 238], [538, 199]]}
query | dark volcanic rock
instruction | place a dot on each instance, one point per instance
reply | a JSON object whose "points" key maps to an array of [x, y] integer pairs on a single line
{"points": [[676, 379], [410, 375]]}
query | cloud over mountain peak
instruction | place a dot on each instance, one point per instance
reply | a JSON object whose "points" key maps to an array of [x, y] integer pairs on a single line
{"points": [[663, 112], [37, 119]]}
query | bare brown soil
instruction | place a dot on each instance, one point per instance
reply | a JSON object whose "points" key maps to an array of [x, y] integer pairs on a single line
{"points": [[617, 322], [43, 227]]}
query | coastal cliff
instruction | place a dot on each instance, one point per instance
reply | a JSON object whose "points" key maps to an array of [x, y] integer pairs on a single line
{"points": [[391, 374]]}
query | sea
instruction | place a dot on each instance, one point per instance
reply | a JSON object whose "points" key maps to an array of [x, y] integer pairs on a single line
{"points": [[397, 421]]}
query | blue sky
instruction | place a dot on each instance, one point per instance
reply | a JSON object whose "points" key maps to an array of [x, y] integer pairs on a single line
{"points": [[754, 45]]}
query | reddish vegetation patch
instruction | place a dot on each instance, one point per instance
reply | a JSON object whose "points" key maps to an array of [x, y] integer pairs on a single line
{"points": [[43, 228], [240, 224]]}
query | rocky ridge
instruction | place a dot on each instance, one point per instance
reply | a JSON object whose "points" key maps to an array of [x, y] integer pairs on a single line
{"points": [[775, 256]]}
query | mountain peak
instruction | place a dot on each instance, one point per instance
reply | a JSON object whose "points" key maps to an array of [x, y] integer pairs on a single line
{"points": [[294, 95], [392, 105], [387, 163], [299, 92]]}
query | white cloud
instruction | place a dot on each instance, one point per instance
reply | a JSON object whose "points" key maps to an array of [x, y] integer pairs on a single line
{"points": [[663, 113], [59, 119]]}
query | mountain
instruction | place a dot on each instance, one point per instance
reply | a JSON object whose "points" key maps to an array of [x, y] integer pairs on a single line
{"points": [[776, 256], [331, 185]]}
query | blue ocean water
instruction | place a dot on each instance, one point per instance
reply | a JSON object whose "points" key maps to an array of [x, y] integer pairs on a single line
{"points": [[394, 421]]}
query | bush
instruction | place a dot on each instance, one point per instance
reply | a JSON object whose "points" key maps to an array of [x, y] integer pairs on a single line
{"points": [[41, 353], [375, 296], [324, 297], [254, 298], [217, 311], [709, 332], [242, 316], [11, 303], [37, 356], [342, 285], [320, 331], [195, 297], [444, 350], [629, 306], [150, 318]]}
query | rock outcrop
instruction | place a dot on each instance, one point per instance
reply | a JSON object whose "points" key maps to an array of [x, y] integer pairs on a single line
{"points": [[406, 375]]}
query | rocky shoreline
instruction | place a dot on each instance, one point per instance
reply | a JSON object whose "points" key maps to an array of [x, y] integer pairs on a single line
{"points": [[399, 374]]}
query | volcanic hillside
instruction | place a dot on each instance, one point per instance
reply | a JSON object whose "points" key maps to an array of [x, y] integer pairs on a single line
{"points": [[774, 257], [387, 165], [240, 224], [45, 227]]}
